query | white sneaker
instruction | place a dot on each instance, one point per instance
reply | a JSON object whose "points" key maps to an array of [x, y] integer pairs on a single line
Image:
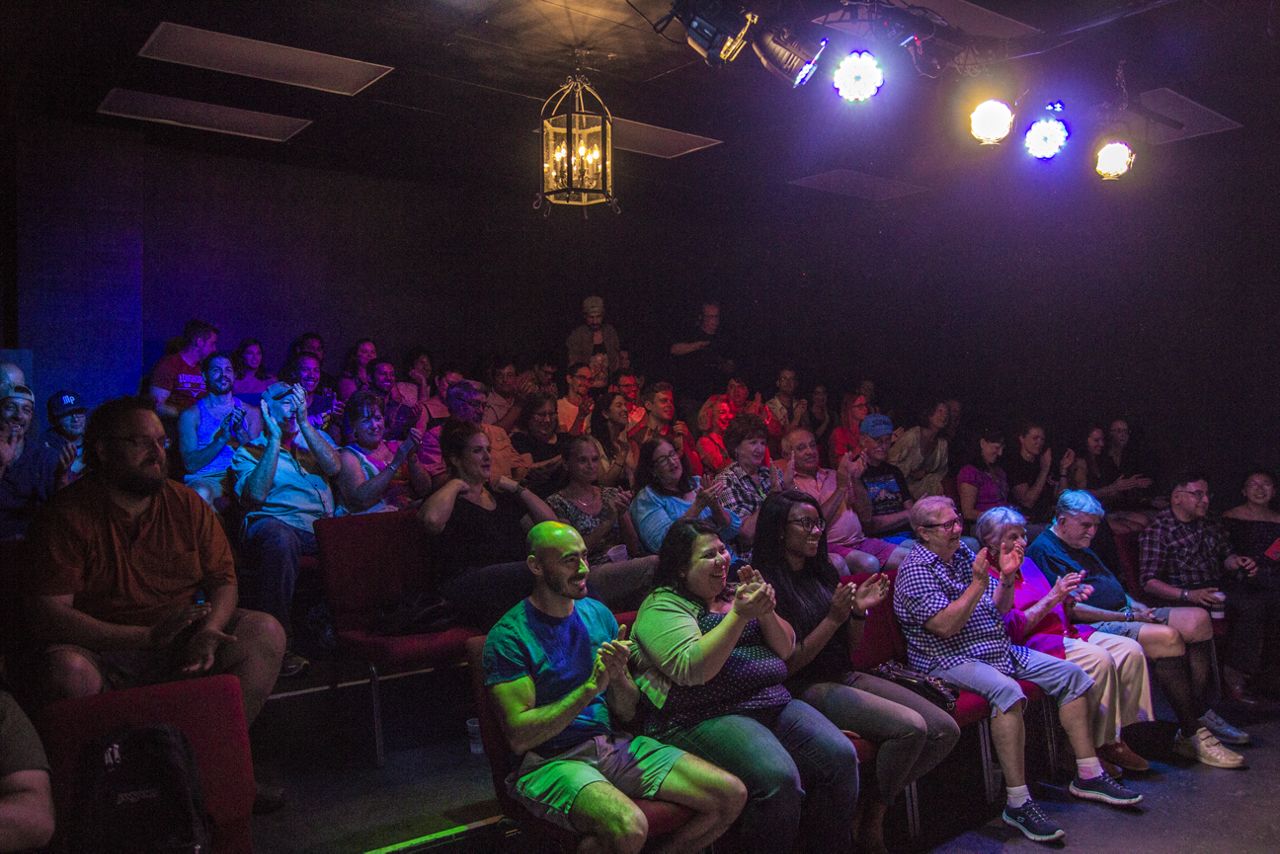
{"points": [[1205, 748]]}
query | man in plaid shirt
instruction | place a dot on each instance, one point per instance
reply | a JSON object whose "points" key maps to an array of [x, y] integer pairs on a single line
{"points": [[954, 630], [1185, 558]]}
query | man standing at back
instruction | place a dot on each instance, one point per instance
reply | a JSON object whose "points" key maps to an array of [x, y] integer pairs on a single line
{"points": [[556, 666]]}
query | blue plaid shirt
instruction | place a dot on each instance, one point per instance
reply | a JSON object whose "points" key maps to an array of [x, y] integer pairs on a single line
{"points": [[925, 585]]}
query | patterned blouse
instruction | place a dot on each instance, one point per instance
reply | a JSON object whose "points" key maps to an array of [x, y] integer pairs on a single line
{"points": [[585, 523]]}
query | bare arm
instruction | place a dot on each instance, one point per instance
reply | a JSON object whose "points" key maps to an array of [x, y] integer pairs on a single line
{"points": [[161, 396], [686, 347], [437, 509], [359, 491], [323, 450], [26, 811], [968, 501], [258, 484]]}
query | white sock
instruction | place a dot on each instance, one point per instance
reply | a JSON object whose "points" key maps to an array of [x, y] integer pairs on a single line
{"points": [[1089, 769], [1016, 796]]}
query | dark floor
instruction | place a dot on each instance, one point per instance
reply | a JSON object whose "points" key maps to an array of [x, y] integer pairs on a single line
{"points": [[434, 794]]}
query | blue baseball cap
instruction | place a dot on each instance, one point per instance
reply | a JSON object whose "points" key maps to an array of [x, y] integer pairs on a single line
{"points": [[875, 426]]}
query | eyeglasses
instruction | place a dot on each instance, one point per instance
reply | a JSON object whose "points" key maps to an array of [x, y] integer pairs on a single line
{"points": [[812, 526], [143, 443], [667, 459], [1198, 494], [954, 522]]}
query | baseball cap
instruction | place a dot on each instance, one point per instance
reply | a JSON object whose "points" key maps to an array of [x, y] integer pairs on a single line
{"points": [[65, 403], [875, 426], [22, 392], [591, 304]]}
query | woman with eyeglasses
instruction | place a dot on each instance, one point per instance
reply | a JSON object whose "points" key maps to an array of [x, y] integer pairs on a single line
{"points": [[912, 734], [536, 434], [710, 653], [666, 493], [378, 474], [750, 478], [845, 436]]}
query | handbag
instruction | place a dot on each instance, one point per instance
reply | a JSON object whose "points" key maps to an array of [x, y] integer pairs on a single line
{"points": [[931, 688], [423, 613]]}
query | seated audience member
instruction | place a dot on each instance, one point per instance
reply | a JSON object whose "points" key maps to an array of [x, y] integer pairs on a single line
{"points": [[845, 435], [867, 388], [843, 499], [594, 336], [789, 411], [711, 658], [628, 382], [1254, 528], [479, 531], [1187, 559], [26, 798], [912, 734], [1179, 641], [29, 471], [437, 409], [820, 420], [176, 380], [618, 454], [921, 452], [539, 376], [600, 516], [252, 375], [711, 448], [954, 628], [399, 416], [556, 667], [415, 388], [311, 342], [574, 409], [537, 436], [324, 410], [749, 478], [1086, 473], [282, 479], [210, 432], [132, 580], [1120, 460], [67, 417], [500, 407], [357, 373], [887, 490], [660, 423], [465, 402], [1031, 485], [983, 484], [1121, 692], [667, 493], [378, 474]]}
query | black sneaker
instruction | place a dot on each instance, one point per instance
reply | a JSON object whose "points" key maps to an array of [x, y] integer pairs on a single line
{"points": [[1105, 790], [1032, 821]]}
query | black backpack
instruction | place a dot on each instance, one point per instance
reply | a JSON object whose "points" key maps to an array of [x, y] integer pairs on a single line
{"points": [[138, 793]]}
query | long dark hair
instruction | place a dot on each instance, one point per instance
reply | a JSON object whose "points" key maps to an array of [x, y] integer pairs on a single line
{"points": [[600, 422], [351, 366], [799, 593], [644, 470], [676, 554], [237, 360]]}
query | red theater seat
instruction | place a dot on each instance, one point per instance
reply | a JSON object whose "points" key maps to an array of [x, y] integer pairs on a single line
{"points": [[209, 712]]}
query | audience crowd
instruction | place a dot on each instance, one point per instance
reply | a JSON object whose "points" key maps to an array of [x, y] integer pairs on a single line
{"points": [[165, 535]]}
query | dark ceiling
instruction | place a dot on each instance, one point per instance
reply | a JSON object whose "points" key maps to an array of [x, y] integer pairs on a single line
{"points": [[470, 75]]}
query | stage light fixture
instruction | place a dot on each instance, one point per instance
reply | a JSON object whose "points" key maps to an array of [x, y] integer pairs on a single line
{"points": [[1114, 159], [788, 53], [858, 76], [716, 29], [1046, 137], [991, 122]]}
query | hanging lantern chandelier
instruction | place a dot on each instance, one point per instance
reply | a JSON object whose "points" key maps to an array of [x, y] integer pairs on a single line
{"points": [[577, 147]]}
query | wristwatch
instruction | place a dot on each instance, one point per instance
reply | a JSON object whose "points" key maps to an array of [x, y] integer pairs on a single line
{"points": [[1184, 595], [1128, 615]]}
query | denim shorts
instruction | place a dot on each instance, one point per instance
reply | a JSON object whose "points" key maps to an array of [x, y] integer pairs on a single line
{"points": [[1130, 628], [1061, 680]]}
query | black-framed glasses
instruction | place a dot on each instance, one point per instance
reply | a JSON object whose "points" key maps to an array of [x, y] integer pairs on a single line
{"points": [[954, 522], [143, 443], [1197, 494], [669, 459], [811, 526]]}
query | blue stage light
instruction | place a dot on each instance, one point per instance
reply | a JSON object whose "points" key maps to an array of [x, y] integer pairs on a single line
{"points": [[1046, 137], [858, 77]]}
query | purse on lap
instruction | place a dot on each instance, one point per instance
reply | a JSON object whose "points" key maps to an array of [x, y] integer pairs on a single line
{"points": [[931, 688]]}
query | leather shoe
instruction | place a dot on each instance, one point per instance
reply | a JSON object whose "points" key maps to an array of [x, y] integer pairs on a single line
{"points": [[1123, 755]]}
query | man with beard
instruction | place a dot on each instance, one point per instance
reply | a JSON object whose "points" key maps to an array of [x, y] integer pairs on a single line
{"points": [[660, 423], [282, 478], [210, 432], [29, 471], [556, 665], [132, 580]]}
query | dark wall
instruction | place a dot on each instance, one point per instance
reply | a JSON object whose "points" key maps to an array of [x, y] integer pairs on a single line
{"points": [[1021, 291]]}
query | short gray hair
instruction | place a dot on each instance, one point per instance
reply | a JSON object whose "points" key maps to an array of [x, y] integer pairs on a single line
{"points": [[991, 525], [926, 507], [1076, 502]]}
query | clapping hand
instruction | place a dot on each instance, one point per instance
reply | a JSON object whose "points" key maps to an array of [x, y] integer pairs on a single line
{"points": [[269, 423], [1067, 587], [1011, 555], [202, 648], [842, 602], [871, 592], [981, 563], [611, 659], [9, 444], [1067, 461]]}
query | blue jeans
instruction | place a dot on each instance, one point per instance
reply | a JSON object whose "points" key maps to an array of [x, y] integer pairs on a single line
{"points": [[801, 775], [270, 576]]}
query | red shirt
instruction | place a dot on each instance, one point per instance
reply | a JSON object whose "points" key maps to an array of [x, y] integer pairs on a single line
{"points": [[183, 381]]}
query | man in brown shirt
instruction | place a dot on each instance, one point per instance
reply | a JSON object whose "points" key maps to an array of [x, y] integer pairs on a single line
{"points": [[132, 580]]}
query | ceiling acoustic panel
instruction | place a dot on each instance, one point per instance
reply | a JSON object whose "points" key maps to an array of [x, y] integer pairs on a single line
{"points": [[149, 107], [657, 141], [1172, 116], [858, 185], [260, 60]]}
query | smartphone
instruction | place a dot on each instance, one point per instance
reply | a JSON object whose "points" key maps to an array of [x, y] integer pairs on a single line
{"points": [[200, 600]]}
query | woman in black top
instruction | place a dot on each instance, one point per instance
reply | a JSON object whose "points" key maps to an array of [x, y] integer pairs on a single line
{"points": [[536, 435], [479, 531], [913, 735]]}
